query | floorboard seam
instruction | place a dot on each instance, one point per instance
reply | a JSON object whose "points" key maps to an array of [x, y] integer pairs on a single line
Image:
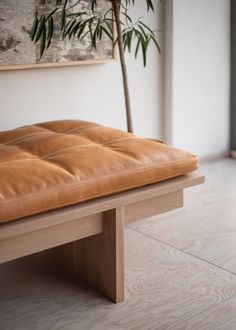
{"points": [[181, 250], [203, 311]]}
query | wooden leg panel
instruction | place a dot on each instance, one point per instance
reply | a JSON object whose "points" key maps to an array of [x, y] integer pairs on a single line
{"points": [[97, 260], [100, 258]]}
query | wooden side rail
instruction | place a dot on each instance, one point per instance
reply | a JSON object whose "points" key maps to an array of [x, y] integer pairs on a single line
{"points": [[89, 237]]}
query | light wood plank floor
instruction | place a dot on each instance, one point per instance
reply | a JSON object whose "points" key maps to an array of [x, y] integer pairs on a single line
{"points": [[180, 273]]}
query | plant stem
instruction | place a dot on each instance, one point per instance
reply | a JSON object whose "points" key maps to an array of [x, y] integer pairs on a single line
{"points": [[116, 8]]}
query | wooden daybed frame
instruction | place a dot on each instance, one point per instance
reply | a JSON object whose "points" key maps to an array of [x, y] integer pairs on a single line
{"points": [[88, 238]]}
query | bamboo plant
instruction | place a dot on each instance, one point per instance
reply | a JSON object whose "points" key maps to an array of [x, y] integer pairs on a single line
{"points": [[76, 23]]}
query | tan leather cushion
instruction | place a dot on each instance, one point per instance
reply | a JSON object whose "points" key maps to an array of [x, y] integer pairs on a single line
{"points": [[55, 164]]}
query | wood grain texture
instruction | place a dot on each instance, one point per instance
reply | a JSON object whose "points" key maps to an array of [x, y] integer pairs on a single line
{"points": [[163, 287], [45, 238], [97, 260], [220, 317], [153, 206], [101, 257]]}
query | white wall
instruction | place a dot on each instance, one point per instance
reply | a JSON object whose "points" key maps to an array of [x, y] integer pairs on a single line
{"points": [[201, 67], [88, 92]]}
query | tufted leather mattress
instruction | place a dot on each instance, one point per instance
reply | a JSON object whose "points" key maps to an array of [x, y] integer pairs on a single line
{"points": [[55, 164]]}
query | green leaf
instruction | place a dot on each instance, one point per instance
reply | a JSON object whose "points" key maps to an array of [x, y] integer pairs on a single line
{"points": [[69, 27], [144, 55], [93, 4], [40, 28], [127, 17], [92, 35], [156, 44], [107, 33], [151, 31], [75, 29], [139, 36], [49, 43], [50, 28], [100, 32], [129, 40], [34, 28], [137, 48], [63, 19], [109, 25], [150, 5], [42, 41], [145, 35], [80, 30], [144, 44]]}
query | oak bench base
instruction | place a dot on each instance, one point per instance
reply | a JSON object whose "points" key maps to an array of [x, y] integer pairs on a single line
{"points": [[87, 239]]}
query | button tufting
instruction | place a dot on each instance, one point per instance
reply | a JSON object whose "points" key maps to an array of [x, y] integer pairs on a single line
{"points": [[56, 164]]}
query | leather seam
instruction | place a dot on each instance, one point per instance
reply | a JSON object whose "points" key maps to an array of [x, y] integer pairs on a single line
{"points": [[46, 132], [123, 174], [25, 136], [92, 144], [48, 155]]}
